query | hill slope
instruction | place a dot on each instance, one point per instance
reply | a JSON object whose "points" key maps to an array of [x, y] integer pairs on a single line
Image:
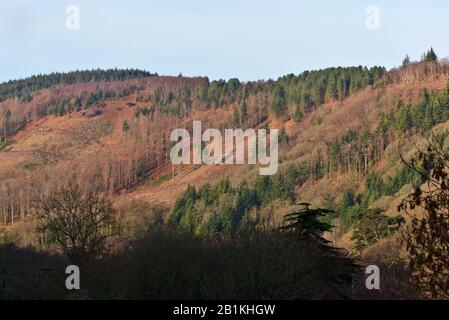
{"points": [[115, 135]]}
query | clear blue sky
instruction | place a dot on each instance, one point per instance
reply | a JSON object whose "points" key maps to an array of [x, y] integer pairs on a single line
{"points": [[248, 39]]}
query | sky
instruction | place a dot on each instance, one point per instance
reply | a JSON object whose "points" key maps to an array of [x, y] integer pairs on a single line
{"points": [[246, 39]]}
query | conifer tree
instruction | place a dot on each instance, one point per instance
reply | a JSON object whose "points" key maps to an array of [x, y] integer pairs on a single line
{"points": [[278, 105], [406, 61]]}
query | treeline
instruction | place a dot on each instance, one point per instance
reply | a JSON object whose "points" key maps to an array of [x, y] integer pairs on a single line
{"points": [[431, 109], [23, 88], [199, 95], [252, 102], [162, 103], [84, 100], [291, 95], [302, 93]]}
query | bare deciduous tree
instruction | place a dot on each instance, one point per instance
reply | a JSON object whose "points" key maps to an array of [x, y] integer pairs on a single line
{"points": [[77, 220]]}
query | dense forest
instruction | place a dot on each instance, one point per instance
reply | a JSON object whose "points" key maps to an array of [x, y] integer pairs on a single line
{"points": [[162, 101], [294, 94], [85, 177], [170, 101]]}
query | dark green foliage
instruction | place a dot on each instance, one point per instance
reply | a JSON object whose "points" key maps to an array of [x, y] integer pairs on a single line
{"points": [[304, 91], [404, 117], [347, 199], [349, 208], [430, 110], [301, 93], [278, 104], [372, 225], [232, 86], [223, 209], [331, 90], [216, 92], [185, 203], [22, 88], [85, 100], [406, 61], [146, 112], [307, 225], [312, 88], [349, 136], [430, 56], [26, 97], [402, 177], [374, 187]]}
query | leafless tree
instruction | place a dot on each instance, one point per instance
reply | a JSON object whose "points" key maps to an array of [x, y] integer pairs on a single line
{"points": [[78, 221]]}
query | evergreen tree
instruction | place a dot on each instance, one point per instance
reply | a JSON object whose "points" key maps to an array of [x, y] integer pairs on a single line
{"points": [[331, 90], [305, 224], [298, 113], [430, 56], [372, 225], [405, 121], [278, 105], [283, 136], [406, 61], [125, 126], [374, 187], [244, 113]]}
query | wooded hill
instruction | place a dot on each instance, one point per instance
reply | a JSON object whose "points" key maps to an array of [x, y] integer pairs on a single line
{"points": [[109, 130]]}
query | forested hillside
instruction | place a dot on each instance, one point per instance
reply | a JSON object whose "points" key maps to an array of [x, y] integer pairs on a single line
{"points": [[104, 137], [23, 89], [138, 117]]}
